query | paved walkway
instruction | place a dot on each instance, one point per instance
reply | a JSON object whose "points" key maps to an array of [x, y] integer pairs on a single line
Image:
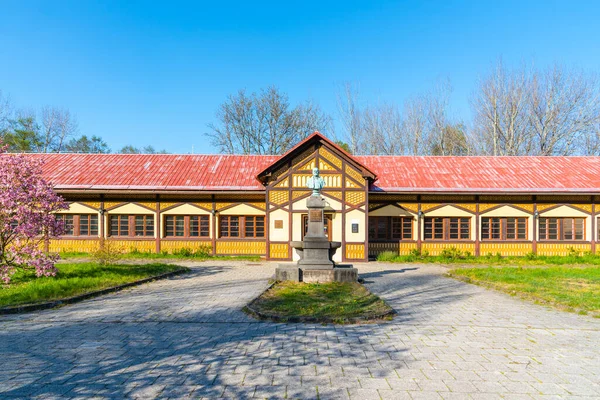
{"points": [[187, 337]]}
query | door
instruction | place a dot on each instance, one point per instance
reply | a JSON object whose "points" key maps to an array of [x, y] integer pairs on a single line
{"points": [[326, 225]]}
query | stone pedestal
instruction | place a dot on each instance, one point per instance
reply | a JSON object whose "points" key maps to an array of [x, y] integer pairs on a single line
{"points": [[316, 253]]}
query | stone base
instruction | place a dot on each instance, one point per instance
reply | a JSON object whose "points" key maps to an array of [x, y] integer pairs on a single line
{"points": [[291, 272]]}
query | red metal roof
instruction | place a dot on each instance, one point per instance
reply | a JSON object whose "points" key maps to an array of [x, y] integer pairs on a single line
{"points": [[154, 171], [484, 174], [394, 173]]}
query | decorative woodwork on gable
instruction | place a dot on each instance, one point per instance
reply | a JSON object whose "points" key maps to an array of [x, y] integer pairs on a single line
{"points": [[283, 183], [333, 193], [413, 207], [352, 173], [279, 196], [206, 206], [327, 155], [355, 198], [95, 205]]}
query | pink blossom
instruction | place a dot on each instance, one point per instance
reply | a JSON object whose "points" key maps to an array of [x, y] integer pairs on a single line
{"points": [[27, 216]]}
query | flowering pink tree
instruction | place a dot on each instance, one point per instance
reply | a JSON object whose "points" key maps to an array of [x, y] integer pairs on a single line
{"points": [[27, 207]]}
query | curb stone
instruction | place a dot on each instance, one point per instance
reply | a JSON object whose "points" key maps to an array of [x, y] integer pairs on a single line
{"points": [[25, 308]]}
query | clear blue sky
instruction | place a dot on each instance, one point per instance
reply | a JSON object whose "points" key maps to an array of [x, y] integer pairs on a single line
{"points": [[154, 72]]}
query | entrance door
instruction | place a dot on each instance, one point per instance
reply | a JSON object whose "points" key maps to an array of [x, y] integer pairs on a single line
{"points": [[326, 225]]}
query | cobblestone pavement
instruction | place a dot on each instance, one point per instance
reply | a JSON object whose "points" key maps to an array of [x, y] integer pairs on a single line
{"points": [[187, 337]]}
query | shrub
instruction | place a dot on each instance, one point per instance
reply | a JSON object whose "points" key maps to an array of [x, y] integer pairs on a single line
{"points": [[107, 253], [530, 256], [572, 252], [453, 253], [387, 256], [203, 251]]}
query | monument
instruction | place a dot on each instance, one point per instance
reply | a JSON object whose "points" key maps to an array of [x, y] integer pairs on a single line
{"points": [[315, 250]]}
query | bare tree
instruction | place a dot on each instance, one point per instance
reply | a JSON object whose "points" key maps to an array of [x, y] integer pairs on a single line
{"points": [[57, 126], [564, 112], [501, 112], [350, 113], [6, 112], [264, 123], [381, 130]]}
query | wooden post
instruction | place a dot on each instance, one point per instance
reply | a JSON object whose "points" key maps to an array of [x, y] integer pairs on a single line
{"points": [[102, 222], [213, 219], [593, 238], [535, 225], [158, 224], [419, 218], [477, 251]]}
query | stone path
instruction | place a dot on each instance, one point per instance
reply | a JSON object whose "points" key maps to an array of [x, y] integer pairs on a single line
{"points": [[187, 337]]}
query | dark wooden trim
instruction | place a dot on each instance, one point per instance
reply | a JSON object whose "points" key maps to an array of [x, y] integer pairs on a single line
{"points": [[419, 223], [593, 226], [366, 223], [344, 211], [446, 228], [456, 241], [564, 241], [496, 241], [560, 225], [103, 216], [158, 224], [534, 226], [557, 205], [477, 227], [186, 226], [131, 238], [504, 229], [213, 220], [500, 205]]}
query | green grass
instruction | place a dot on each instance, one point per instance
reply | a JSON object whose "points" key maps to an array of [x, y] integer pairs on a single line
{"points": [[74, 279], [162, 256], [454, 256], [569, 288], [325, 302]]}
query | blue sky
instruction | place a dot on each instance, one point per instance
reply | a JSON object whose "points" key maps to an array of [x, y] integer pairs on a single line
{"points": [[154, 72]]}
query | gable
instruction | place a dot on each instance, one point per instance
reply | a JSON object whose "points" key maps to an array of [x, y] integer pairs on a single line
{"points": [[316, 151]]}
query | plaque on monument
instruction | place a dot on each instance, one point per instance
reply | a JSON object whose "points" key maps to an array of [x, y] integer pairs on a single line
{"points": [[315, 215]]}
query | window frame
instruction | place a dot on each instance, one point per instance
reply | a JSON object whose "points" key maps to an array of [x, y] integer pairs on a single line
{"points": [[389, 234], [560, 229], [241, 227], [503, 221], [446, 229], [131, 226], [76, 219], [187, 226]]}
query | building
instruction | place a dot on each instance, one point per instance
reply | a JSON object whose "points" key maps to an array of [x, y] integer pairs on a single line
{"points": [[242, 205]]}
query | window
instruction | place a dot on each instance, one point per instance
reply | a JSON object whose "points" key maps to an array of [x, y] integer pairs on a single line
{"points": [[234, 226], [187, 226], [390, 228], [144, 225], [447, 228], [255, 226], [561, 228], [503, 228], [67, 220], [132, 225], [79, 224]]}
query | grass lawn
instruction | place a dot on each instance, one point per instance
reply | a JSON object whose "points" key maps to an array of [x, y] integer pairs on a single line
{"points": [[74, 279], [454, 256], [323, 302], [162, 256], [568, 288]]}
